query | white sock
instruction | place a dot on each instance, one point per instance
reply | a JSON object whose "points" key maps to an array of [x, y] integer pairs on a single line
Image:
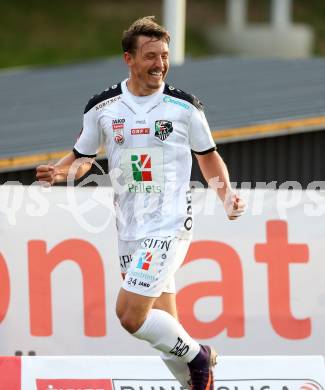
{"points": [[167, 335], [178, 368]]}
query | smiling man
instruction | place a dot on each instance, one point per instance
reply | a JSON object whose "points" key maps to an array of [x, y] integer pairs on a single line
{"points": [[148, 63], [149, 129]]}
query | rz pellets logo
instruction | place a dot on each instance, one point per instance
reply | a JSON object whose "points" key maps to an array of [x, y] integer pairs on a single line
{"points": [[143, 170], [163, 129], [141, 167]]}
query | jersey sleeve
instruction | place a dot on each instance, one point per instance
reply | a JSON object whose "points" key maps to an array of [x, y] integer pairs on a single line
{"points": [[89, 140], [200, 137]]}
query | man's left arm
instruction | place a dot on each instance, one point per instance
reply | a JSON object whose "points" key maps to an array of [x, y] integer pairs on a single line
{"points": [[216, 174]]}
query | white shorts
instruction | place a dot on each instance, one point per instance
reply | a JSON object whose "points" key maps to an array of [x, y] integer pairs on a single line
{"points": [[149, 264]]}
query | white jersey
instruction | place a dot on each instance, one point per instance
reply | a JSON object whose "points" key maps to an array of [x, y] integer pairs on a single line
{"points": [[148, 147]]}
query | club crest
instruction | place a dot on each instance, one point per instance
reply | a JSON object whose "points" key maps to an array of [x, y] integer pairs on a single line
{"points": [[163, 129]]}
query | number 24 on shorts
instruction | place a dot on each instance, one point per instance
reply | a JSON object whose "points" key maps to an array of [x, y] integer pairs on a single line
{"points": [[132, 281]]}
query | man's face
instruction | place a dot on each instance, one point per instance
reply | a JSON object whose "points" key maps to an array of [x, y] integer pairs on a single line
{"points": [[148, 65]]}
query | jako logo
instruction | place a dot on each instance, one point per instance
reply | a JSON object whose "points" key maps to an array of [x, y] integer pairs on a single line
{"points": [[141, 167], [310, 386], [74, 384], [145, 261]]}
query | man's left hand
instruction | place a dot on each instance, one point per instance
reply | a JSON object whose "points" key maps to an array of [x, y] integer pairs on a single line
{"points": [[233, 205]]}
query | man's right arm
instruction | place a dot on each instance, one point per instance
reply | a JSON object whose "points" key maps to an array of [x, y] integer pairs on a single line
{"points": [[69, 165], [79, 161]]}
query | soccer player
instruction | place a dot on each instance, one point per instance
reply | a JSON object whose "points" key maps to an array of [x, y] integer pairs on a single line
{"points": [[149, 129]]}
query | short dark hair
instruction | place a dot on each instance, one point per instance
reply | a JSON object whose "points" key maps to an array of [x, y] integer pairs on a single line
{"points": [[144, 26]]}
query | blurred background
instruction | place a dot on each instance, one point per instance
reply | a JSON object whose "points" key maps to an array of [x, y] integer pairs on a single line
{"points": [[257, 65], [37, 32]]}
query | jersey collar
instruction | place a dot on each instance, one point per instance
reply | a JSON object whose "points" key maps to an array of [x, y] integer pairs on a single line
{"points": [[145, 108]]}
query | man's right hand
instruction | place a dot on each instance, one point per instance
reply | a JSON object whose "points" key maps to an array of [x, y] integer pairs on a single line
{"points": [[46, 174]]}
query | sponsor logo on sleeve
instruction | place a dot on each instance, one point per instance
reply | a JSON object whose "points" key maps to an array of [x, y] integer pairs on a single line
{"points": [[168, 99], [163, 129], [108, 102]]}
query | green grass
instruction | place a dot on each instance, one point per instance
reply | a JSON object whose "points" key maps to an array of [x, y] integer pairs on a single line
{"points": [[40, 32]]}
